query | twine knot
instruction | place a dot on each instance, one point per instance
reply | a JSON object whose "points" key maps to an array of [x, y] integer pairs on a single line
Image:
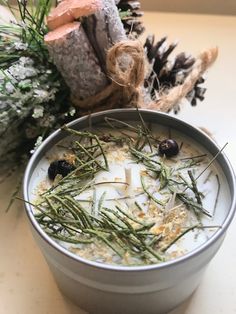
{"points": [[126, 63], [126, 67]]}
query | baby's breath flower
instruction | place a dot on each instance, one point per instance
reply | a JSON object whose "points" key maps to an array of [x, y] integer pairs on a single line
{"points": [[45, 95], [27, 61], [37, 144], [29, 87], [9, 87], [71, 112], [38, 112], [19, 45], [42, 95], [21, 71]]}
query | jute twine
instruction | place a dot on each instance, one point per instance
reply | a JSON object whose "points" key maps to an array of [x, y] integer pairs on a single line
{"points": [[177, 93], [125, 65], [126, 68]]}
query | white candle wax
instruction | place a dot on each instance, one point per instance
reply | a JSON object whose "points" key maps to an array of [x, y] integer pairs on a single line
{"points": [[123, 186]]}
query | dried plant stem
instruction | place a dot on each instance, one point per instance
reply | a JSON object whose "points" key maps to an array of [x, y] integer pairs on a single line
{"points": [[178, 237], [150, 195], [194, 188], [212, 160], [217, 194], [124, 230]]}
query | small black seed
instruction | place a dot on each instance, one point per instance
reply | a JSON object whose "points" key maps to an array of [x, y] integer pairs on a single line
{"points": [[61, 167], [169, 148]]}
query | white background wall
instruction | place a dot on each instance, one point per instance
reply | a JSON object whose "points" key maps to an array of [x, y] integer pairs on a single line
{"points": [[191, 6]]}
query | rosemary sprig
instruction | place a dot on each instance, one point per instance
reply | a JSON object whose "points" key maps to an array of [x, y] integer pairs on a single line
{"points": [[87, 134], [126, 234], [217, 194], [147, 160], [69, 239], [130, 217], [190, 203], [164, 175], [100, 202], [150, 195], [146, 132], [138, 206], [194, 188], [65, 217], [134, 235], [179, 237], [212, 160], [187, 230], [122, 124], [101, 237]]}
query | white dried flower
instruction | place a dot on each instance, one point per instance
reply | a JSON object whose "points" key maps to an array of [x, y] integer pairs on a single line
{"points": [[9, 87], [38, 112], [71, 112], [39, 141], [21, 71], [20, 45], [37, 144], [26, 61], [44, 95]]}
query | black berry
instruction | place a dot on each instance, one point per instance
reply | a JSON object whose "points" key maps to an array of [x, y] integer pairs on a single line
{"points": [[169, 148], [61, 167]]}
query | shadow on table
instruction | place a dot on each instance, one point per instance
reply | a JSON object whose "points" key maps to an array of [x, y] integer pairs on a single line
{"points": [[183, 308]]}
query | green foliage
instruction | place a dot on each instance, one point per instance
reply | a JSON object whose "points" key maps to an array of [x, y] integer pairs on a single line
{"points": [[34, 99], [29, 27]]}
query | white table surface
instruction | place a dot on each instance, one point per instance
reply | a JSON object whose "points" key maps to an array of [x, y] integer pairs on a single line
{"points": [[26, 284]]}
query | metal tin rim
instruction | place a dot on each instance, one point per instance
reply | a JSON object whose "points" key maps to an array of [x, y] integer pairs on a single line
{"points": [[164, 265]]}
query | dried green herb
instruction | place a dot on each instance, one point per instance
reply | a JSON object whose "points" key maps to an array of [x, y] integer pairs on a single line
{"points": [[64, 217]]}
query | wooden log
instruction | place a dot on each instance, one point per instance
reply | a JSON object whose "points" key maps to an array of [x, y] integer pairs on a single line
{"points": [[69, 10], [74, 57], [104, 29]]}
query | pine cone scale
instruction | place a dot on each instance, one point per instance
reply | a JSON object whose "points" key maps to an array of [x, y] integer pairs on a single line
{"points": [[165, 73]]}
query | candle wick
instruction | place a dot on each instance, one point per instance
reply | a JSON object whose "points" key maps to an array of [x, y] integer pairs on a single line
{"points": [[128, 175]]}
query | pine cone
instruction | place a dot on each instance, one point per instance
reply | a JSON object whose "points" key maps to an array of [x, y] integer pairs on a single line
{"points": [[130, 15], [197, 93], [167, 73]]}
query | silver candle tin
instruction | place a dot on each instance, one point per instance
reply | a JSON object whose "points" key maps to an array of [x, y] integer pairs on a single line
{"points": [[101, 288]]}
